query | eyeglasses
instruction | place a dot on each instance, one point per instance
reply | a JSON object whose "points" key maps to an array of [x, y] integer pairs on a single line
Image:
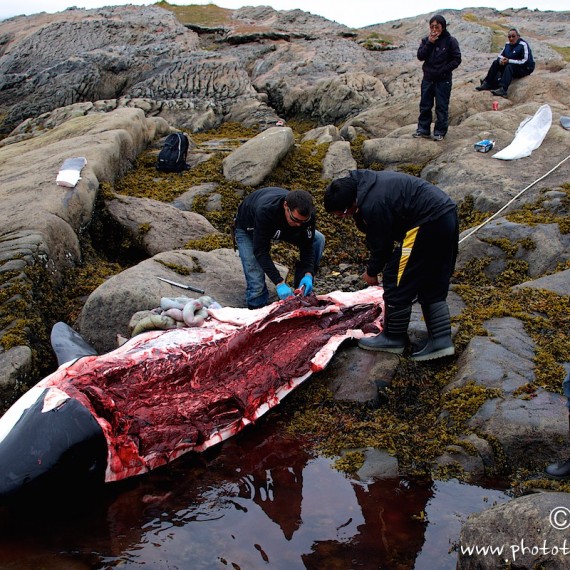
{"points": [[511, 36], [297, 220]]}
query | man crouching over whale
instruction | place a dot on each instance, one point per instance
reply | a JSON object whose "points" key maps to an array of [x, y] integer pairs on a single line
{"points": [[412, 233], [270, 215]]}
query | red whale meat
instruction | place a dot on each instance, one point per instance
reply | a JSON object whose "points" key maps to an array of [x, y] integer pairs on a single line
{"points": [[164, 393]]}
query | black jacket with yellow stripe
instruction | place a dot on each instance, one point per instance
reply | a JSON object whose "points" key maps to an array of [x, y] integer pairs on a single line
{"points": [[389, 205]]}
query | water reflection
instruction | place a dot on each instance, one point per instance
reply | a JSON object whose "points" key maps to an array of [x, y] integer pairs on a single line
{"points": [[258, 501]]}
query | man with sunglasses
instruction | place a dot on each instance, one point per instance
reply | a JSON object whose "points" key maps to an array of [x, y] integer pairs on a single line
{"points": [[412, 233], [514, 61], [275, 214]]}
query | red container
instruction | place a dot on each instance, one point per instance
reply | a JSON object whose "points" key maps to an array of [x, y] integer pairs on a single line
{"points": [[495, 105]]}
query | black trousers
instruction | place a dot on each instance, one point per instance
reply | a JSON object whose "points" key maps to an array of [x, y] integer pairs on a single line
{"points": [[440, 92], [421, 267], [503, 74]]}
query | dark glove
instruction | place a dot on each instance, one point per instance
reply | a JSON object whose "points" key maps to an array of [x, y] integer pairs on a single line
{"points": [[307, 284], [284, 291]]}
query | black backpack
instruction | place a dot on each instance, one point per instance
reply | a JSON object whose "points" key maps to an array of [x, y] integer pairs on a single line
{"points": [[172, 156]]}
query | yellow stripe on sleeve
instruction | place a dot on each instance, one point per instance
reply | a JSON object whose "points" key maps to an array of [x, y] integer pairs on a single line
{"points": [[407, 246]]}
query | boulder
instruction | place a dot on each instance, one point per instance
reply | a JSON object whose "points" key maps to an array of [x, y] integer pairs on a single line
{"points": [[541, 246], [156, 226], [186, 201], [525, 533], [252, 162], [378, 464], [338, 161], [528, 430], [389, 151], [322, 135], [558, 283]]}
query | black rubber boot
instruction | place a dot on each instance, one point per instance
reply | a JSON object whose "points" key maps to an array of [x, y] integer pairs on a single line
{"points": [[394, 337], [438, 324], [560, 470]]}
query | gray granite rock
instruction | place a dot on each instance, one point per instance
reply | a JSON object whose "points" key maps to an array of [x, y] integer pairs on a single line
{"points": [[527, 533]]}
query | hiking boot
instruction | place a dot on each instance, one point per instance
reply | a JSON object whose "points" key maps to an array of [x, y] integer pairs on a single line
{"points": [[500, 92], [438, 137], [438, 324], [394, 337], [420, 135], [560, 470], [483, 87]]}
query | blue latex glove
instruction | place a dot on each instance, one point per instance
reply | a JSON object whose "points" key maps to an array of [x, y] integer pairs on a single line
{"points": [[284, 291], [307, 283]]}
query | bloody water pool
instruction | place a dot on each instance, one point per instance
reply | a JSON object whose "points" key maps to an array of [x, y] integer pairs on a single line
{"points": [[257, 501]]}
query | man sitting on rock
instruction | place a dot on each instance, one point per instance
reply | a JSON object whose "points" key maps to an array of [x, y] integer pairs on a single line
{"points": [[276, 214], [514, 62]]}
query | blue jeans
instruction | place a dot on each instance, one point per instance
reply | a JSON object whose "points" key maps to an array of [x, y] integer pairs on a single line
{"points": [[440, 91], [256, 293]]}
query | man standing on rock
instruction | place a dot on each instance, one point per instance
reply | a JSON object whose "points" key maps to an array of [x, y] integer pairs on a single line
{"points": [[441, 55], [513, 62], [412, 233], [276, 214]]}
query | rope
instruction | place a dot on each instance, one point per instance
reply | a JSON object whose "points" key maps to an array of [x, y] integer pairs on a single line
{"points": [[513, 199]]}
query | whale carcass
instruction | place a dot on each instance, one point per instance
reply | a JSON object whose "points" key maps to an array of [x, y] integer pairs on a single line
{"points": [[165, 393]]}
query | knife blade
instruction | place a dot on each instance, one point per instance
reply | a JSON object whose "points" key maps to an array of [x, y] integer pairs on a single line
{"points": [[182, 286]]}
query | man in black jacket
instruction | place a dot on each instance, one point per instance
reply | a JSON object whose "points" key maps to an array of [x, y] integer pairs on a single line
{"points": [[441, 55], [412, 233], [514, 61], [276, 214]]}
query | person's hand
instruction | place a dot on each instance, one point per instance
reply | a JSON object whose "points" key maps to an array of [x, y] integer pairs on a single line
{"points": [[433, 37], [370, 279], [504, 61], [284, 291], [307, 284]]}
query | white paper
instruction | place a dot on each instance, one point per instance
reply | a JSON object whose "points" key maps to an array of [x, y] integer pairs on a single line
{"points": [[70, 172]]}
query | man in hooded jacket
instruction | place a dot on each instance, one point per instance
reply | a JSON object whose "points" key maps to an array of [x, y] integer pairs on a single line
{"points": [[412, 233], [441, 55]]}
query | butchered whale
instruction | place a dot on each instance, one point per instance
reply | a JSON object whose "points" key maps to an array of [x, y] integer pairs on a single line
{"points": [[164, 393]]}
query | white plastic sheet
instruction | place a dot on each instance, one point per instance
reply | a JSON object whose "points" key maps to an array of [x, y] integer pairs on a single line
{"points": [[529, 135]]}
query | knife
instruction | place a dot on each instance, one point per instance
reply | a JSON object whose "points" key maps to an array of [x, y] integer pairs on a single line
{"points": [[182, 286]]}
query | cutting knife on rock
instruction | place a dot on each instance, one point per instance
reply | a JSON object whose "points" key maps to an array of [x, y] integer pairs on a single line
{"points": [[182, 286]]}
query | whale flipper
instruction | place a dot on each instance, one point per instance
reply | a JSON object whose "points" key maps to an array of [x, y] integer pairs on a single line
{"points": [[69, 344]]}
